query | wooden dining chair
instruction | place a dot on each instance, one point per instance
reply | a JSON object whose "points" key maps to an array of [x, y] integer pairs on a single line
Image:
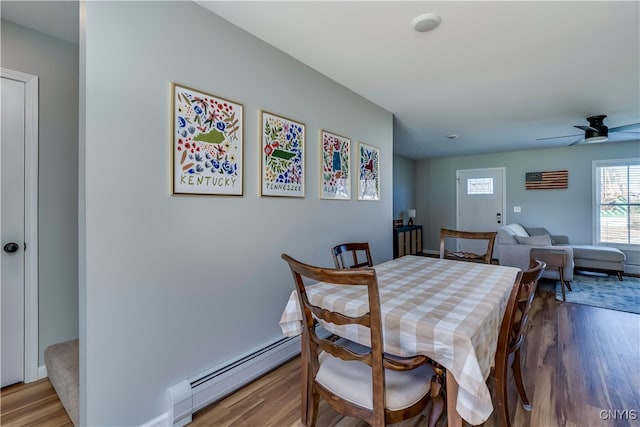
{"points": [[359, 382], [446, 235], [511, 337], [360, 255]]}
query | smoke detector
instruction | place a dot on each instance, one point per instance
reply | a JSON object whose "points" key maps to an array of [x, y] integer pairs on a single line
{"points": [[426, 22]]}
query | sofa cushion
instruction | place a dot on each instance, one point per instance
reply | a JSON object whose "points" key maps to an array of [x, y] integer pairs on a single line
{"points": [[544, 240], [539, 231], [599, 253], [506, 235], [518, 230]]}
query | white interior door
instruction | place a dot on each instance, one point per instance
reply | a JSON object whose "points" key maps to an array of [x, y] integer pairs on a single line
{"points": [[12, 219], [481, 203]]}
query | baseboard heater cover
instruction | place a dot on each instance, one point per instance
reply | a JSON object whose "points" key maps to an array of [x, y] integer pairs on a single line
{"points": [[193, 394]]}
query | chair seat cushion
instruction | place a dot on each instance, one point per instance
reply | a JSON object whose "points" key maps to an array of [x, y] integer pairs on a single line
{"points": [[351, 380]]}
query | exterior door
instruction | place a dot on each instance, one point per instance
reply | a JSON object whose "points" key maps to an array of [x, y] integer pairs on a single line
{"points": [[12, 219], [481, 203]]}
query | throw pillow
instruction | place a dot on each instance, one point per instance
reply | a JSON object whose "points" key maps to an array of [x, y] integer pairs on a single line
{"points": [[539, 231], [544, 240], [517, 229]]}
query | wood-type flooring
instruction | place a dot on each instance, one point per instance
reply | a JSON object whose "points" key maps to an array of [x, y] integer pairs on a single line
{"points": [[581, 368]]}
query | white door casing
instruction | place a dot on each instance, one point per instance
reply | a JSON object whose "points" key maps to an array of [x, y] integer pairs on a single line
{"points": [[12, 219], [481, 203], [20, 174]]}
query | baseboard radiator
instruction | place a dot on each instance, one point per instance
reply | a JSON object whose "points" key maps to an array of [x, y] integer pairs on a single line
{"points": [[193, 394]]}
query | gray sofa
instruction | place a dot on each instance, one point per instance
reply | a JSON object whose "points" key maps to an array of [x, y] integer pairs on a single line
{"points": [[514, 241]]}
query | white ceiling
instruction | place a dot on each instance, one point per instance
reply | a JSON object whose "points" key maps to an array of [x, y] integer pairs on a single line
{"points": [[498, 74]]}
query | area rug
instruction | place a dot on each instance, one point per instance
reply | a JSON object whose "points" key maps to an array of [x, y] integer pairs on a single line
{"points": [[604, 291]]}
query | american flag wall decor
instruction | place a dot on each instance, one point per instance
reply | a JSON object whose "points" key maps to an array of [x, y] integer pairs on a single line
{"points": [[550, 180]]}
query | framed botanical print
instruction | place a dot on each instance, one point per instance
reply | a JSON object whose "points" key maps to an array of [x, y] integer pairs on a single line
{"points": [[207, 143], [368, 172], [335, 175], [282, 156]]}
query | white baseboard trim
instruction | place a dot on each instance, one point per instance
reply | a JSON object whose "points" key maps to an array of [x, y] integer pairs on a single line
{"points": [[159, 421], [42, 372], [193, 394], [239, 373]]}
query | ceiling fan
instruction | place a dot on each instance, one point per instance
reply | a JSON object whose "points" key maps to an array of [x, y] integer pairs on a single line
{"points": [[597, 132]]}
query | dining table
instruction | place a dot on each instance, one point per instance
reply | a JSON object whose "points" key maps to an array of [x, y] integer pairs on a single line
{"points": [[447, 310]]}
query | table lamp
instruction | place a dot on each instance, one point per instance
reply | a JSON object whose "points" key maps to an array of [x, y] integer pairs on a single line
{"points": [[411, 213]]}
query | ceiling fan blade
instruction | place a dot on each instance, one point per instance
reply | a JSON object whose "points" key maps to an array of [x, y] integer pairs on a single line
{"points": [[623, 136], [634, 127], [556, 137], [578, 141], [586, 128]]}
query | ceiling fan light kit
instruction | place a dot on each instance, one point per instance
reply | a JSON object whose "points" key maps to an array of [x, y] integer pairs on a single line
{"points": [[595, 139]]}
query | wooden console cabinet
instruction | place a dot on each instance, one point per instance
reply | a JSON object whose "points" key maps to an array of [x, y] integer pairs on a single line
{"points": [[407, 240]]}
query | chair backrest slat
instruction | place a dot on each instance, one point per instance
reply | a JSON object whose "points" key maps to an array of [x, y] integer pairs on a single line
{"points": [[339, 318], [447, 234], [360, 255]]}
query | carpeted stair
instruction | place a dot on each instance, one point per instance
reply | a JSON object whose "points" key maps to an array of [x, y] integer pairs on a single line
{"points": [[62, 361]]}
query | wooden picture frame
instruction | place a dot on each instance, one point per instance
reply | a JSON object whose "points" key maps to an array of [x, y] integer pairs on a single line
{"points": [[207, 143], [335, 173], [368, 172], [282, 156]]}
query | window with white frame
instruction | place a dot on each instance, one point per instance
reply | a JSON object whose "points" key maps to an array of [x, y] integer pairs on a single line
{"points": [[617, 202]]}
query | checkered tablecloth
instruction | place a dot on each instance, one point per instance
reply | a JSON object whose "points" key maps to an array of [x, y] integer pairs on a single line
{"points": [[447, 310]]}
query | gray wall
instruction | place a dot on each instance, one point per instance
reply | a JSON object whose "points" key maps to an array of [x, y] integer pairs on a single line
{"points": [[55, 62], [567, 211], [174, 285], [404, 186]]}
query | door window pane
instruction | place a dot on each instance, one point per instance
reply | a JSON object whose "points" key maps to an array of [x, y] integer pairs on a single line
{"points": [[480, 186]]}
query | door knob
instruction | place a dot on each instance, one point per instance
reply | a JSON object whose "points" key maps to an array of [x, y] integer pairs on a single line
{"points": [[11, 247]]}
